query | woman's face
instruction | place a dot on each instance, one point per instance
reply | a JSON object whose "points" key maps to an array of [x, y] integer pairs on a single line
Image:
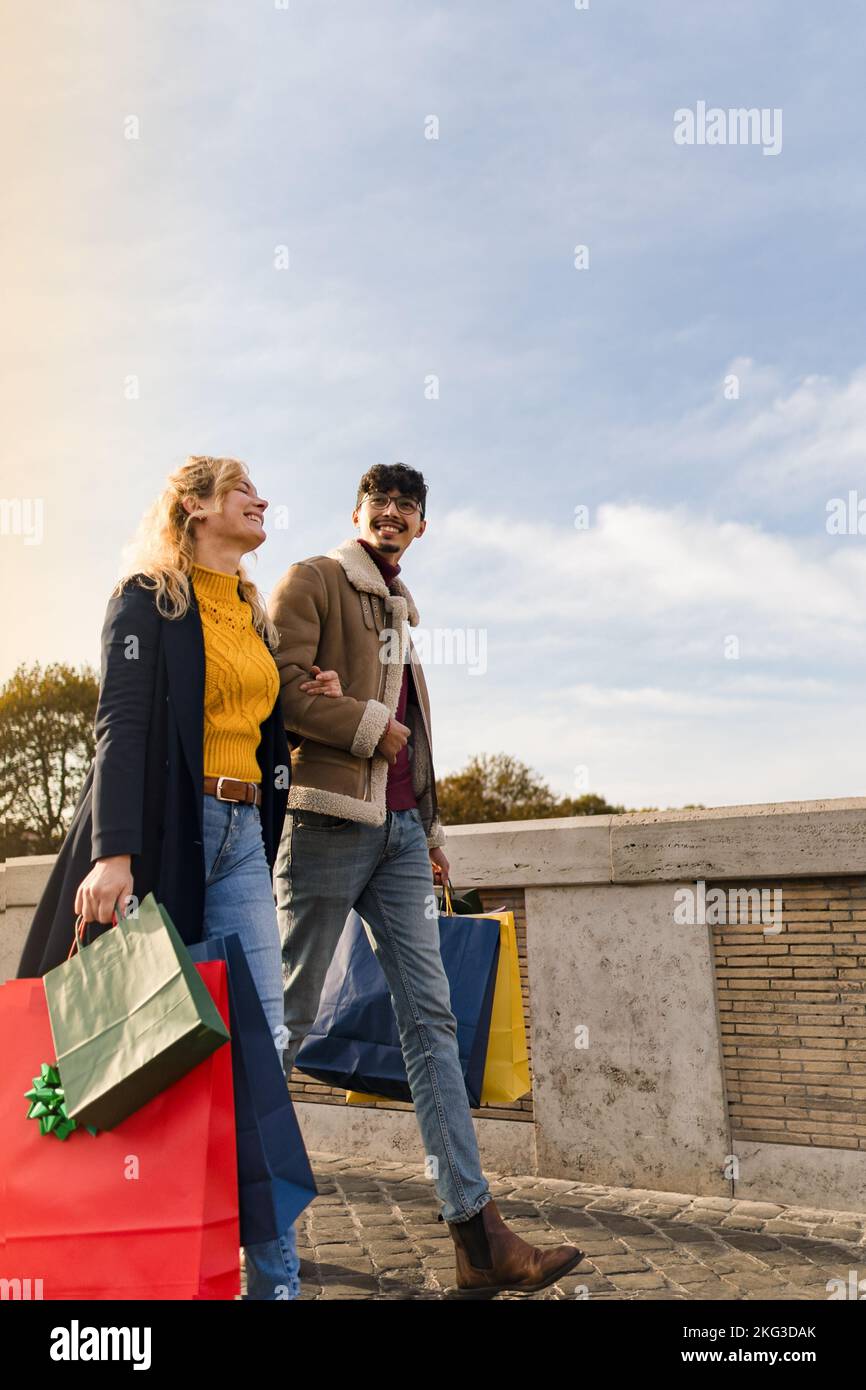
{"points": [[241, 519]]}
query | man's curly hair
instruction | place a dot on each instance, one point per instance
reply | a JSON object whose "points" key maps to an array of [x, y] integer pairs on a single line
{"points": [[383, 476]]}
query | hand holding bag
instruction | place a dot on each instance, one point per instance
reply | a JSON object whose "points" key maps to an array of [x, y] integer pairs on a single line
{"points": [[129, 1016], [355, 1042], [506, 1069], [147, 1210]]}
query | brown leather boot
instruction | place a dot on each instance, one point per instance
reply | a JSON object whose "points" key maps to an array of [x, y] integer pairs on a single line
{"points": [[491, 1258]]}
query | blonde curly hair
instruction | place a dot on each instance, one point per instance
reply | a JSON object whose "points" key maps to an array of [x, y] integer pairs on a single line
{"points": [[163, 552]]}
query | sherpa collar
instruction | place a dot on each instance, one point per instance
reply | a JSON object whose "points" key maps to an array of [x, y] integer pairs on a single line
{"points": [[363, 572]]}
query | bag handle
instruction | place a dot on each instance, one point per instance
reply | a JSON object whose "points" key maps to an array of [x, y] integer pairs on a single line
{"points": [[447, 901], [80, 926]]}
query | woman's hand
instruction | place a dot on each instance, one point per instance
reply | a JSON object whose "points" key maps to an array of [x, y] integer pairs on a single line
{"points": [[109, 882], [325, 683]]}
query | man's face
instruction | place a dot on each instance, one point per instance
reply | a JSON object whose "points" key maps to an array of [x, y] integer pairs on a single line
{"points": [[388, 529]]}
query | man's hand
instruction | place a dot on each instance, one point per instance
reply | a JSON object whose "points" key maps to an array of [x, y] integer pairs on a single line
{"points": [[395, 737], [109, 882], [325, 683], [440, 866]]}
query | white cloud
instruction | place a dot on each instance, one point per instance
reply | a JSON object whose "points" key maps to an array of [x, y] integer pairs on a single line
{"points": [[780, 446], [638, 689], [679, 569]]}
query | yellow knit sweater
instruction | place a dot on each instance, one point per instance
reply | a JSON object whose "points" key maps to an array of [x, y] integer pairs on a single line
{"points": [[241, 680]]}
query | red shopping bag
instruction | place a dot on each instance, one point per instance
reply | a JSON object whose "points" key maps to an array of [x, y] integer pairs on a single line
{"points": [[147, 1210]]}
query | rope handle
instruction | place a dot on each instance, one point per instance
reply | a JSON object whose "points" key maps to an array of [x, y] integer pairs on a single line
{"points": [[81, 925]]}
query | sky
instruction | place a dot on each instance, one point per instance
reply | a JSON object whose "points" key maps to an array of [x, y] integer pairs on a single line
{"points": [[322, 236]]}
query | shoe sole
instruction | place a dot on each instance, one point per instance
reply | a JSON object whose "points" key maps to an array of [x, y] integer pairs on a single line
{"points": [[488, 1290]]}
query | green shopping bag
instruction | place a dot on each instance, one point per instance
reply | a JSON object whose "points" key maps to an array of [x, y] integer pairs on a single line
{"points": [[129, 1015]]}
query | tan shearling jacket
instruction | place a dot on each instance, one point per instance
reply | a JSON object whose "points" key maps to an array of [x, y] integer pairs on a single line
{"points": [[335, 611]]}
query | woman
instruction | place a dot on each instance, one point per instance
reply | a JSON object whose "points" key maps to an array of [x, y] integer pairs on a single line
{"points": [[187, 791]]}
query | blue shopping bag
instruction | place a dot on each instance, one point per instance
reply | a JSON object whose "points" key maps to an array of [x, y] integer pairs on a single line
{"points": [[275, 1180], [354, 1041]]}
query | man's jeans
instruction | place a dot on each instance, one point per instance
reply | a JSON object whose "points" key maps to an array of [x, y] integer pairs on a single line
{"points": [[239, 898], [325, 867]]}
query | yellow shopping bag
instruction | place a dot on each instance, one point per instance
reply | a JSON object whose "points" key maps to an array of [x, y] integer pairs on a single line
{"points": [[506, 1070]]}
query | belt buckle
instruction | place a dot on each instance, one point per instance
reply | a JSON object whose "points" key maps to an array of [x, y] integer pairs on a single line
{"points": [[219, 795]]}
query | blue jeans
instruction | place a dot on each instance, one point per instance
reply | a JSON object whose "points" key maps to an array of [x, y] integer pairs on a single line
{"points": [[239, 898], [326, 866]]}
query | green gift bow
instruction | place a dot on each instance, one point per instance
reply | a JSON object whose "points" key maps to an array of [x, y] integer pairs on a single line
{"points": [[48, 1105]]}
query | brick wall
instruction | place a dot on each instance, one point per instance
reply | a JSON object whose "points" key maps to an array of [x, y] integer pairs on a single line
{"points": [[792, 1012], [305, 1088]]}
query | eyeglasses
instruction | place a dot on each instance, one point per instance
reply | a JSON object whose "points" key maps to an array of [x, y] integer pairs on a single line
{"points": [[379, 502]]}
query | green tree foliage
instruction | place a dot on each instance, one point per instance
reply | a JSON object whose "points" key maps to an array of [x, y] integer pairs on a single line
{"points": [[588, 805], [46, 746], [497, 787]]}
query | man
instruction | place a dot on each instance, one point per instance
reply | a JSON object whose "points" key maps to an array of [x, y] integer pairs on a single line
{"points": [[363, 831]]}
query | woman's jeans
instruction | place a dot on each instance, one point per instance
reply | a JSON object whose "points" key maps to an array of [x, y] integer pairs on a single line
{"points": [[239, 898]]}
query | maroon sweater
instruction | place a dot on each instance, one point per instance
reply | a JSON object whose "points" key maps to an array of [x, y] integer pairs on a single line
{"points": [[399, 795]]}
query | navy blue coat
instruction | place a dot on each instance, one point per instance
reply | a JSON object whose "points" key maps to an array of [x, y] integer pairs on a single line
{"points": [[143, 792]]}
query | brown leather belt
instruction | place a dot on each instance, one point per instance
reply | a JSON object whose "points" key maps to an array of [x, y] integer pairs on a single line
{"points": [[231, 789]]}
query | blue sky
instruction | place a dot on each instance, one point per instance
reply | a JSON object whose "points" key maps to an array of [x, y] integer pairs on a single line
{"points": [[304, 127]]}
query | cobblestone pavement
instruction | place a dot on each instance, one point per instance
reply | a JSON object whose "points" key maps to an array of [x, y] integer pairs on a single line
{"points": [[373, 1233]]}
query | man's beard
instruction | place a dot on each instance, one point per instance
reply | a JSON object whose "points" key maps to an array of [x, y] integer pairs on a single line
{"points": [[385, 542]]}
